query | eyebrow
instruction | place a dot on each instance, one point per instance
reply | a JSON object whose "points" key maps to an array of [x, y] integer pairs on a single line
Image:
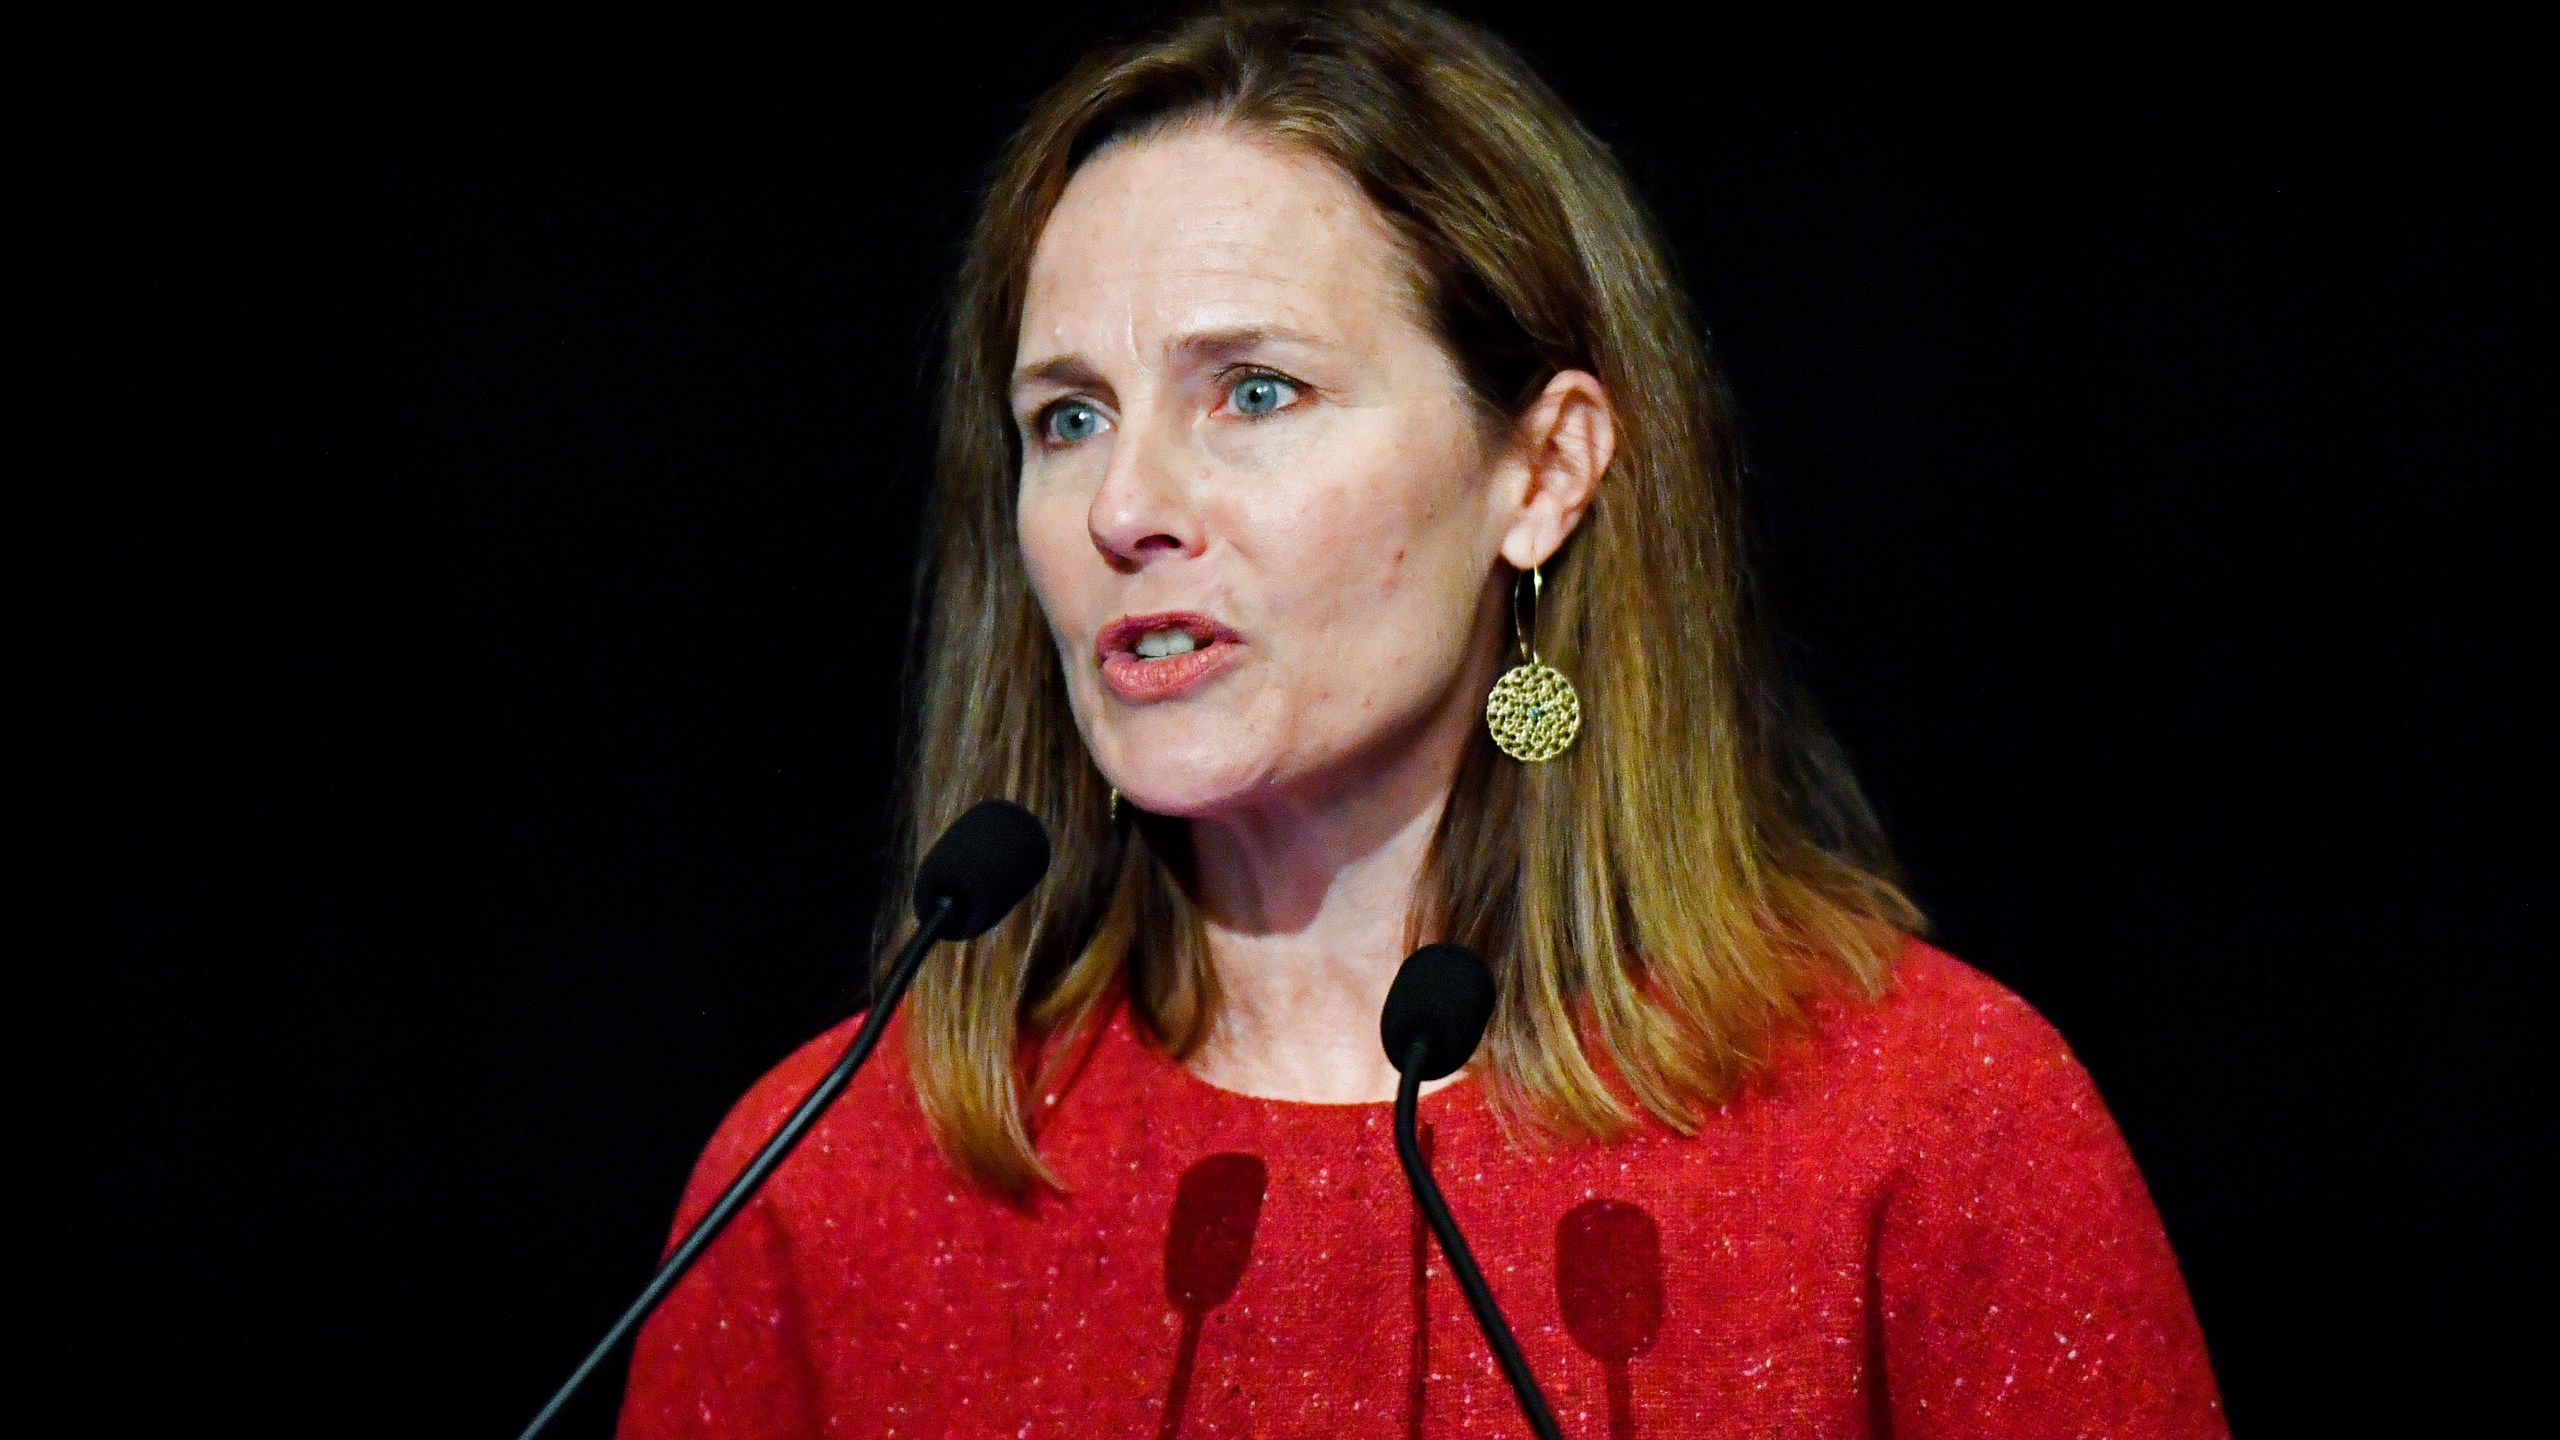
{"points": [[1207, 344], [1067, 372], [1073, 373]]}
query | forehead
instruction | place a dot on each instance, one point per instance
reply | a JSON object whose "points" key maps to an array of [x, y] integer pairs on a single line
{"points": [[1207, 228]]}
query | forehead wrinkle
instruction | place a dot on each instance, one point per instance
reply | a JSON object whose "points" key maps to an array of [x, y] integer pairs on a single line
{"points": [[1257, 292], [1153, 332], [1150, 232]]}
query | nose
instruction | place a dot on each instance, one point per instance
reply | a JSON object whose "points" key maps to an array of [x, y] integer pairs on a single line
{"points": [[1143, 510]]}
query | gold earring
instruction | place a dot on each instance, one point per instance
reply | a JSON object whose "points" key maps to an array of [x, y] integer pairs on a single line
{"points": [[1115, 804], [1532, 712]]}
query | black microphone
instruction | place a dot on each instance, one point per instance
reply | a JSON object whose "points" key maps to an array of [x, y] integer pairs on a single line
{"points": [[1435, 1016], [971, 878]]}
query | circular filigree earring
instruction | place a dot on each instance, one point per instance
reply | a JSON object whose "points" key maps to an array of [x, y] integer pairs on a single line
{"points": [[1532, 712]]}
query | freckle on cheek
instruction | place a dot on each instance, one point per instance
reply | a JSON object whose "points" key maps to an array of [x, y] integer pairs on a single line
{"points": [[1394, 571]]}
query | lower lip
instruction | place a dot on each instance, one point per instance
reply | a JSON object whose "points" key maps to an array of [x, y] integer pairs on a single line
{"points": [[1142, 681]]}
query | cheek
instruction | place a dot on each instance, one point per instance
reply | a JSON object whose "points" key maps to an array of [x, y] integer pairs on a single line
{"points": [[1386, 564], [1050, 520]]}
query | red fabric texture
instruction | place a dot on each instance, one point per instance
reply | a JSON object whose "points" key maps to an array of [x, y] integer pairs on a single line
{"points": [[1922, 1223]]}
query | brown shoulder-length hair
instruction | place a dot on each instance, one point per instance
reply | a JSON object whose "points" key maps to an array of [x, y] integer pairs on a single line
{"points": [[1659, 902]]}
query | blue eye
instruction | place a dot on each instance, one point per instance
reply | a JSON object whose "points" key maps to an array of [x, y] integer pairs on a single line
{"points": [[1069, 423], [1260, 394]]}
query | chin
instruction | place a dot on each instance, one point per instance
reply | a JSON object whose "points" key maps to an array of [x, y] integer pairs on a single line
{"points": [[1189, 792], [1181, 772]]}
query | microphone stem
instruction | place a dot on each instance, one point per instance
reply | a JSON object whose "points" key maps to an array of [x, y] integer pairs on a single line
{"points": [[884, 1003], [1462, 1262]]}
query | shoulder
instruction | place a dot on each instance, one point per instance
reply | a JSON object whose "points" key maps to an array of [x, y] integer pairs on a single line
{"points": [[2025, 1283], [871, 1130], [1933, 996], [1945, 1046], [1977, 1107]]}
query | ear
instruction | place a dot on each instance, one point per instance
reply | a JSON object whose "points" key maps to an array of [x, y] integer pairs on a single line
{"points": [[1560, 448]]}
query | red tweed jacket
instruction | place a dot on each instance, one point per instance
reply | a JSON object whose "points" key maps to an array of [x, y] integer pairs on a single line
{"points": [[1923, 1223]]}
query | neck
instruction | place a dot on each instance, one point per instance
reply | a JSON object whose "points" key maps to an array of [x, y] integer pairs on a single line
{"points": [[1305, 901]]}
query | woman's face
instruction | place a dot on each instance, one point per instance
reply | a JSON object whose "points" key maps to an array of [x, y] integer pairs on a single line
{"points": [[1257, 506]]}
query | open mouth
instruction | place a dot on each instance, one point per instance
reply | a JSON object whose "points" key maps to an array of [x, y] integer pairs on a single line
{"points": [[1155, 657], [1165, 644]]}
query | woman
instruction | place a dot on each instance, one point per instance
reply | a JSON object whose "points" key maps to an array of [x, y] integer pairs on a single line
{"points": [[1310, 371]]}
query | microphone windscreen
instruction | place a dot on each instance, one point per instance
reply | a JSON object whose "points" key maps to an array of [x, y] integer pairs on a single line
{"points": [[1443, 993], [985, 863]]}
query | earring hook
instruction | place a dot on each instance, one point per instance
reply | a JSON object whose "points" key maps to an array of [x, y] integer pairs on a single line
{"points": [[1520, 631]]}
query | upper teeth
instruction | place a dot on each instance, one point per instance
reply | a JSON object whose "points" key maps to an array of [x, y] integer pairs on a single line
{"points": [[1157, 644]]}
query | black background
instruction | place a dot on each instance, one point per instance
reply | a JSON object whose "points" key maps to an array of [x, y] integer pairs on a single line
{"points": [[490, 459]]}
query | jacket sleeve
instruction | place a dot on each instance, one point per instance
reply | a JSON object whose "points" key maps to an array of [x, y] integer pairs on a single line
{"points": [[727, 1353], [2026, 1286]]}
